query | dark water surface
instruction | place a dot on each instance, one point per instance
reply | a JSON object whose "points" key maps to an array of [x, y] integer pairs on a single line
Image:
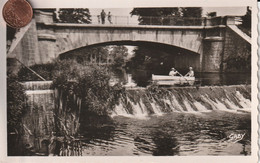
{"points": [[143, 77], [208, 133]]}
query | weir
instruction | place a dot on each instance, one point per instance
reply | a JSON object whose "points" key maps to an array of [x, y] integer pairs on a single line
{"points": [[157, 101], [53, 113]]}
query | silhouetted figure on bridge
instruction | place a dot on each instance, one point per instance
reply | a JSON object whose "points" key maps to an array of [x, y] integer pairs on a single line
{"points": [[98, 19], [109, 17], [103, 16]]}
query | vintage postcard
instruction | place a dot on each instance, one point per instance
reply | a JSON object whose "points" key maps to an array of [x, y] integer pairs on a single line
{"points": [[151, 81]]}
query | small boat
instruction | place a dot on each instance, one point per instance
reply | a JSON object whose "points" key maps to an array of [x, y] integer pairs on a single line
{"points": [[172, 80]]}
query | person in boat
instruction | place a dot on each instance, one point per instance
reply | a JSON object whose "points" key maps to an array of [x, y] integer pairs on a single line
{"points": [[190, 73], [173, 72]]}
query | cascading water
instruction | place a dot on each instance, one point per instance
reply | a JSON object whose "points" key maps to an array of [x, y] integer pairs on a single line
{"points": [[143, 102]]}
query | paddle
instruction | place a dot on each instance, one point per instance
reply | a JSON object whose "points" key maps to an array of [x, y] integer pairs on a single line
{"points": [[181, 75]]}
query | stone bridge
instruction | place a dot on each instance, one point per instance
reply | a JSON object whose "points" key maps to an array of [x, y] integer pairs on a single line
{"points": [[43, 40]]}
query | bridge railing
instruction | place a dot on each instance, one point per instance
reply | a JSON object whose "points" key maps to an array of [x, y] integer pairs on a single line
{"points": [[164, 20], [148, 20]]}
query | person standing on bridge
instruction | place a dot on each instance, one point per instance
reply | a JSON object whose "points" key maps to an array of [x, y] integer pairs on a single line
{"points": [[103, 16], [98, 19], [190, 73], [109, 17]]}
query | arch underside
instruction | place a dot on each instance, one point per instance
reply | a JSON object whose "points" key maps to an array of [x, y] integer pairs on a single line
{"points": [[180, 57], [147, 44]]}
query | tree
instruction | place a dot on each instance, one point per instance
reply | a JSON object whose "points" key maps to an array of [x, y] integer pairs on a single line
{"points": [[118, 55], [76, 15], [154, 15], [88, 55], [246, 19], [146, 58], [246, 22], [98, 54], [15, 104], [191, 12], [90, 83]]}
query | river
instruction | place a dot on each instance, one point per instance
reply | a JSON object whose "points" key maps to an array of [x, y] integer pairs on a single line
{"points": [[177, 121], [183, 134], [143, 77], [182, 121]]}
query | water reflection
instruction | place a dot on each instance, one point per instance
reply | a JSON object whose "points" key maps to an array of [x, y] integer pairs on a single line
{"points": [[70, 148], [166, 144], [143, 78], [171, 134]]}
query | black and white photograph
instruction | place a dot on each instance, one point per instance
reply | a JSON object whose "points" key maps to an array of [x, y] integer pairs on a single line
{"points": [[137, 81]]}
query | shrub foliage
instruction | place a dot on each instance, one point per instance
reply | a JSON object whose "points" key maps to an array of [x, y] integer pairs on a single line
{"points": [[90, 83], [15, 104]]}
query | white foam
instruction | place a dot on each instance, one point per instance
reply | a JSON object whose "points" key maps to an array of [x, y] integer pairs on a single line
{"points": [[176, 103], [201, 107], [205, 98], [232, 105], [120, 110], [224, 104], [156, 108], [188, 106], [245, 103], [137, 110]]}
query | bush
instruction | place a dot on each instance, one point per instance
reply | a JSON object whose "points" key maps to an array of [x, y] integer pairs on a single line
{"points": [[44, 70], [90, 83], [15, 104]]}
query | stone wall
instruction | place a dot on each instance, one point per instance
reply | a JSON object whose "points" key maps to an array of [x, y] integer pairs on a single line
{"points": [[212, 56], [47, 117], [70, 37], [39, 120], [27, 50], [237, 53]]}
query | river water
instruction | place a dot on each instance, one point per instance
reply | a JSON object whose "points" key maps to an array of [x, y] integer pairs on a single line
{"points": [[181, 121], [200, 131], [184, 134], [143, 77]]}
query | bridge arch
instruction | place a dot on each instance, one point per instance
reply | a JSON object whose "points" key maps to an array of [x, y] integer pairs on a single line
{"points": [[177, 56], [69, 37], [147, 44]]}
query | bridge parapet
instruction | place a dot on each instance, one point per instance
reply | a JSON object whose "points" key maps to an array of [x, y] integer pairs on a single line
{"points": [[47, 17], [43, 17]]}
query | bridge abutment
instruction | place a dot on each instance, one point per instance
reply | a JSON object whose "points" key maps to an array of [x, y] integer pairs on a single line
{"points": [[212, 54], [46, 36]]}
